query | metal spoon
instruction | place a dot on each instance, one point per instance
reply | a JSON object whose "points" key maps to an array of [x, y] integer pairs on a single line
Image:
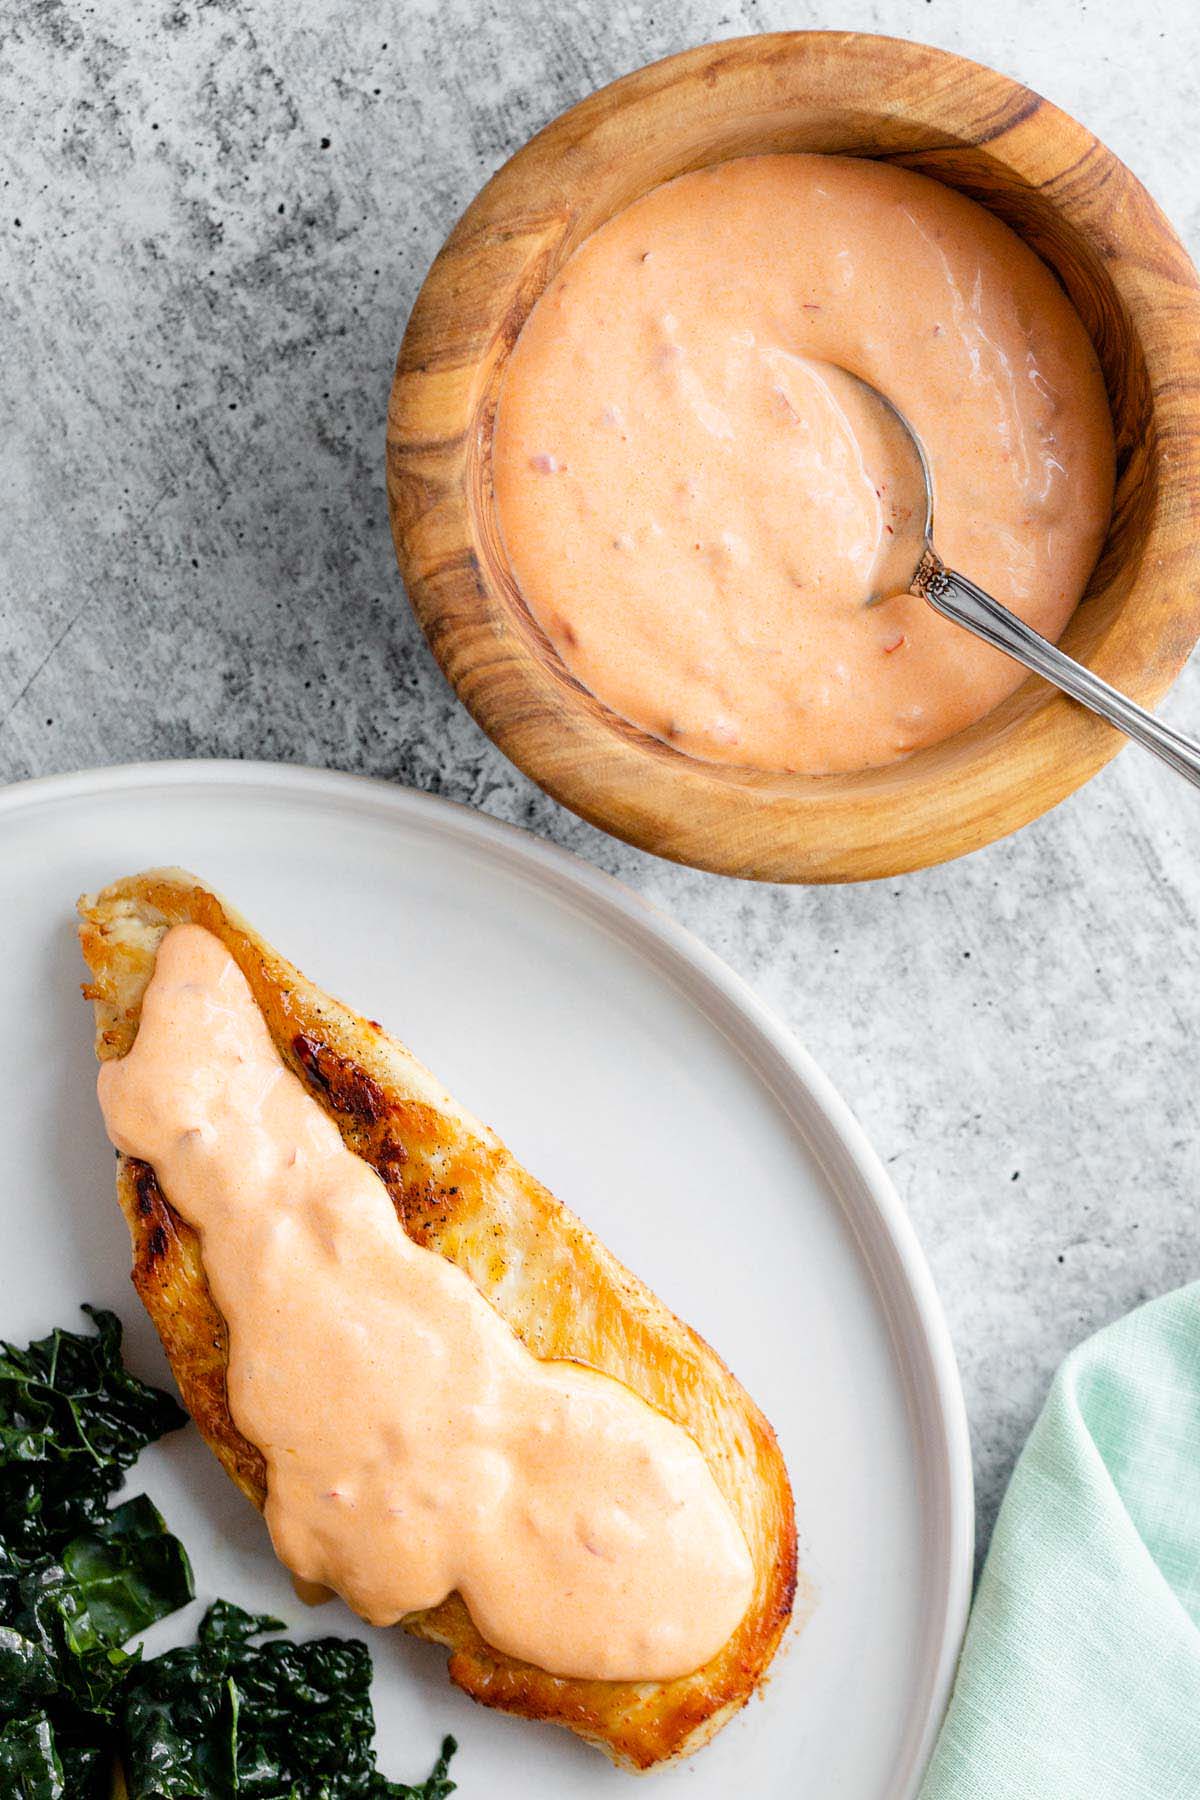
{"points": [[958, 599]]}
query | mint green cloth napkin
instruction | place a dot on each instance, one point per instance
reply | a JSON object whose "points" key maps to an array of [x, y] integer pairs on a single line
{"points": [[1080, 1675]]}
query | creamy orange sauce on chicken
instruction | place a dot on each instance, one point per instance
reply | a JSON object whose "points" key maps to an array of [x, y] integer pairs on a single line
{"points": [[413, 1445], [697, 507]]}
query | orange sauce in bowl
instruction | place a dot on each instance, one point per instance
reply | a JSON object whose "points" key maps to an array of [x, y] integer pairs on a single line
{"points": [[697, 506]]}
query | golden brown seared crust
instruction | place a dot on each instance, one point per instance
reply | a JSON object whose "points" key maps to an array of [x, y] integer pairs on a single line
{"points": [[460, 1192]]}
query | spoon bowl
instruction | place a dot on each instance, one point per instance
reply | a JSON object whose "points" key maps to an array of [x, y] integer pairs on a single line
{"points": [[904, 567], [901, 554]]}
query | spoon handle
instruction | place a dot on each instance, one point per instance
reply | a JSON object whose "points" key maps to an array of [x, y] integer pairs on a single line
{"points": [[959, 599]]}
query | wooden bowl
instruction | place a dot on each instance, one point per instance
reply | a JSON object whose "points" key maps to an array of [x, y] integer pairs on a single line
{"points": [[1039, 171]]}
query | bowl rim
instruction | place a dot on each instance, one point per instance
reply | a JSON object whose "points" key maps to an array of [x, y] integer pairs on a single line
{"points": [[942, 802]]}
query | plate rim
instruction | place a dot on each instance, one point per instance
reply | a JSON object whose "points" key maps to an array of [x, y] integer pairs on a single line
{"points": [[675, 947]]}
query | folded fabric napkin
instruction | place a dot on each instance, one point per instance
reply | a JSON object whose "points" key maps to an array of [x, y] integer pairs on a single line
{"points": [[1080, 1675]]}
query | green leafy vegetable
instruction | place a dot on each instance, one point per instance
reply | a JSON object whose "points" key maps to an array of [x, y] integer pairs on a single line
{"points": [[131, 1570], [29, 1761], [27, 1674], [72, 1420], [277, 1721], [76, 1579], [111, 1582]]}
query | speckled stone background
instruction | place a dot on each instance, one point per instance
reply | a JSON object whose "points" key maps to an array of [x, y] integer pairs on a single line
{"points": [[214, 219]]}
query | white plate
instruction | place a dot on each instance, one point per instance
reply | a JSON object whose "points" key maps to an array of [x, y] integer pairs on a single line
{"points": [[733, 1179]]}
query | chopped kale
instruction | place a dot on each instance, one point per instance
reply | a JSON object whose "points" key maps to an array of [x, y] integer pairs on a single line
{"points": [[72, 1420], [276, 1721], [110, 1583], [76, 1579], [131, 1570], [28, 1759]]}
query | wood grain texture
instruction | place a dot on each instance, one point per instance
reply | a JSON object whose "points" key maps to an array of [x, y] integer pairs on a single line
{"points": [[1029, 163]]}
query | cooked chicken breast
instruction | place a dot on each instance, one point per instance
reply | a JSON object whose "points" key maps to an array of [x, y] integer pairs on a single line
{"points": [[457, 1190]]}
